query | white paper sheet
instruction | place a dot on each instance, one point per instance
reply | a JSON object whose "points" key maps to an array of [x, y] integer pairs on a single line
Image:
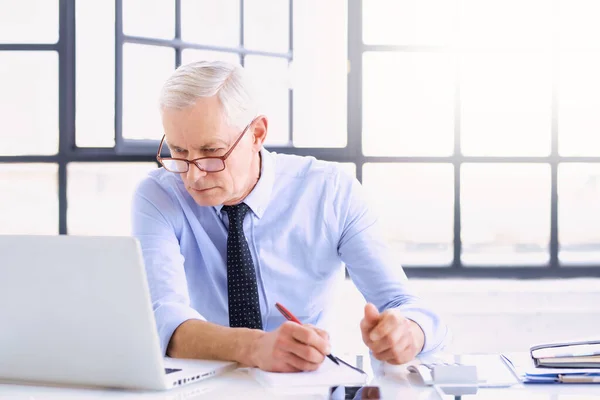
{"points": [[329, 374]]}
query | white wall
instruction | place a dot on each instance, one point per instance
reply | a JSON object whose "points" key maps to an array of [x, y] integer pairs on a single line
{"points": [[492, 315]]}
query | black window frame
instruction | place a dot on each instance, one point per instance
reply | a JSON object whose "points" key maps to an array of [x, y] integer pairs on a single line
{"points": [[144, 151]]}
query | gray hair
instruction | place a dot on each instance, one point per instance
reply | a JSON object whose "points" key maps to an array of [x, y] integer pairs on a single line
{"points": [[200, 79]]}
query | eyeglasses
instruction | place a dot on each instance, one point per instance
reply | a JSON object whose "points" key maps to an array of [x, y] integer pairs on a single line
{"points": [[206, 164]]}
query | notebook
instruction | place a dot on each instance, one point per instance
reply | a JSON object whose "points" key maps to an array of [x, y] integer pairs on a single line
{"points": [[328, 374], [570, 362], [524, 368], [582, 354]]}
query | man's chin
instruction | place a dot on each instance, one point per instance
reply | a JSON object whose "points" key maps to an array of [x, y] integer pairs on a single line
{"points": [[207, 198]]}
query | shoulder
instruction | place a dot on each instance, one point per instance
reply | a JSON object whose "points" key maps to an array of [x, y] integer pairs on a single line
{"points": [[157, 180], [309, 170], [158, 188]]}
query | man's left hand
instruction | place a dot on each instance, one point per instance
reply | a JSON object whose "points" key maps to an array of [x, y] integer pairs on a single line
{"points": [[390, 336]]}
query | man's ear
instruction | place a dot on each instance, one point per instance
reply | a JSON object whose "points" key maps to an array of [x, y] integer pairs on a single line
{"points": [[259, 130]]}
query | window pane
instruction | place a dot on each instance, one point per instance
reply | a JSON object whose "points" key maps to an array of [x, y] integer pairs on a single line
{"points": [[211, 22], [266, 25], [29, 102], [192, 55], [95, 52], [579, 102], [505, 212], [29, 200], [151, 18], [270, 76], [29, 21], [420, 118], [578, 24], [145, 70], [99, 196], [415, 204], [408, 22], [511, 24], [506, 105], [579, 213], [320, 95]]}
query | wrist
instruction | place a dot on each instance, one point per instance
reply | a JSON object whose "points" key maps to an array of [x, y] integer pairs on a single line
{"points": [[418, 335], [247, 346]]}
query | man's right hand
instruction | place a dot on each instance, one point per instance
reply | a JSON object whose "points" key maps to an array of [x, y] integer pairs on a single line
{"points": [[291, 348]]}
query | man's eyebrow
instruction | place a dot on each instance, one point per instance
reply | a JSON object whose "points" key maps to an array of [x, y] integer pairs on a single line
{"points": [[211, 144]]}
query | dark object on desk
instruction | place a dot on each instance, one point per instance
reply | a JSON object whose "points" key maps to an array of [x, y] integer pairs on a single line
{"points": [[171, 370], [457, 392], [354, 393], [290, 317], [575, 355], [350, 366]]}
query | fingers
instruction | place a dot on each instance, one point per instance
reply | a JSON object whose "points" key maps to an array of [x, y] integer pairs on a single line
{"points": [[398, 354], [319, 331], [305, 352], [303, 347], [396, 341], [299, 363], [391, 339], [388, 341], [371, 316], [390, 320], [307, 336], [285, 367], [369, 322]]}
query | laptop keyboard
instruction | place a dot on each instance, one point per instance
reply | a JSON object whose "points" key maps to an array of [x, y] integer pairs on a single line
{"points": [[171, 370]]}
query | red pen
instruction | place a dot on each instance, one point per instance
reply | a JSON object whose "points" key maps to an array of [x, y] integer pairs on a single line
{"points": [[290, 317]]}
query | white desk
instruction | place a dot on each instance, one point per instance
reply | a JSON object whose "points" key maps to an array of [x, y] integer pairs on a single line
{"points": [[397, 383]]}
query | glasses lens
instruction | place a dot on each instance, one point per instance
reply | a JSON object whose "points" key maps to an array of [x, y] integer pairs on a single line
{"points": [[175, 165], [211, 164]]}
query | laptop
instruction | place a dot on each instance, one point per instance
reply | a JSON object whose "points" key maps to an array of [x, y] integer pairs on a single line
{"points": [[76, 310]]}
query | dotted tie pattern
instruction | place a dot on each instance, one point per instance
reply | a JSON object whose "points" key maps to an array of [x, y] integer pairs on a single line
{"points": [[242, 289]]}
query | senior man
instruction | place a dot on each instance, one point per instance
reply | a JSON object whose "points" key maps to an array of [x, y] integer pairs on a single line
{"points": [[228, 229]]}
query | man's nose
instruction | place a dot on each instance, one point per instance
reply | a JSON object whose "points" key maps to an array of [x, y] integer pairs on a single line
{"points": [[195, 173]]}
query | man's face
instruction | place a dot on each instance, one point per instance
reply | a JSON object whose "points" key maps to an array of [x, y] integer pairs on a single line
{"points": [[202, 131]]}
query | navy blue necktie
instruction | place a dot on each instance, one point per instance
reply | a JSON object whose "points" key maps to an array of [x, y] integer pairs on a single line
{"points": [[242, 289]]}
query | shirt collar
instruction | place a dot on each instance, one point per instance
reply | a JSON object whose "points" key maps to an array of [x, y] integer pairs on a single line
{"points": [[259, 197]]}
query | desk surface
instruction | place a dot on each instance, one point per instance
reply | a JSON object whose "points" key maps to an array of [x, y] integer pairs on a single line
{"points": [[396, 383]]}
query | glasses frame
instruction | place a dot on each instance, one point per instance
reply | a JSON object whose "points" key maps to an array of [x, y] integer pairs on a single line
{"points": [[195, 160]]}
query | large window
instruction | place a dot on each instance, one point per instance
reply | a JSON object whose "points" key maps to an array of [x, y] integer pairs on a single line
{"points": [[79, 92], [296, 58], [477, 144], [479, 132]]}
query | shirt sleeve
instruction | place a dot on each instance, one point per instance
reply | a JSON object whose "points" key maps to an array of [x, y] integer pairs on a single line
{"points": [[378, 277], [154, 221]]}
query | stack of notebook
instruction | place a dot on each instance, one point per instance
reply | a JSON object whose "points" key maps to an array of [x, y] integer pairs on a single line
{"points": [[567, 355], [567, 362]]}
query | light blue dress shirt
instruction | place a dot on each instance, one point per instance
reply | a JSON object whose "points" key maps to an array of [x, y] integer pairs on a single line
{"points": [[307, 219]]}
